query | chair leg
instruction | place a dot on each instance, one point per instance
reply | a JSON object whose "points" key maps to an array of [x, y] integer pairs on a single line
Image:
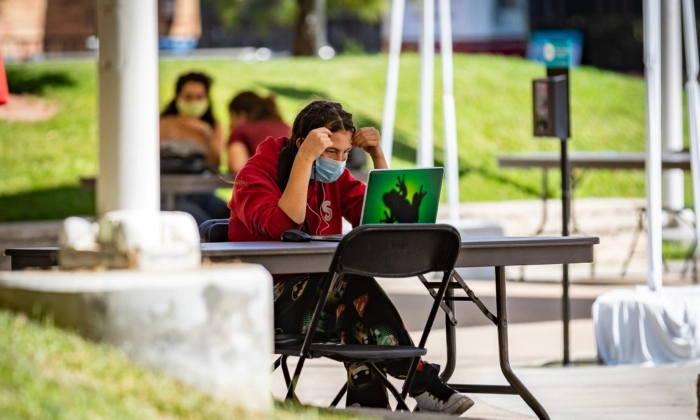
{"points": [[340, 395], [293, 383], [285, 371], [276, 364], [426, 331], [400, 402]]}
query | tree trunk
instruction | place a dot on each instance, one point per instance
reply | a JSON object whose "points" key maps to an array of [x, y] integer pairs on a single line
{"points": [[304, 33]]}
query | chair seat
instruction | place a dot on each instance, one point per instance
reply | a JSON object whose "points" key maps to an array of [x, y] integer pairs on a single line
{"points": [[289, 340], [353, 352]]}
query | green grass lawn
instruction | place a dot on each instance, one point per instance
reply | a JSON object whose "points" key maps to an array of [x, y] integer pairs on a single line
{"points": [[48, 373], [40, 163]]}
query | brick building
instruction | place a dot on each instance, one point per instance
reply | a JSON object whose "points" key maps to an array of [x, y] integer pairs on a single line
{"points": [[29, 28]]}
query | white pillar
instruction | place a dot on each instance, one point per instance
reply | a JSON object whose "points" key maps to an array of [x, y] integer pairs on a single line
{"points": [[321, 28], [128, 106], [693, 95], [672, 99], [448, 105], [427, 59], [392, 78], [652, 55]]}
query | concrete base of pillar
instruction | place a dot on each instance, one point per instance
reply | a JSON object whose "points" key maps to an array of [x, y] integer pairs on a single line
{"points": [[210, 327]]}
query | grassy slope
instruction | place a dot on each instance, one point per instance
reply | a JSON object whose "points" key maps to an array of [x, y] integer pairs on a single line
{"points": [[40, 162], [47, 373]]}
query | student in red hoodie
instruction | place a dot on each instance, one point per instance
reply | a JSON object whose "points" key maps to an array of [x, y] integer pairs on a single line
{"points": [[253, 119], [302, 183]]}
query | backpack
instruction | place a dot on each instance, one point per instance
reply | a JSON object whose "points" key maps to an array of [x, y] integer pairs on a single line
{"points": [[183, 157]]}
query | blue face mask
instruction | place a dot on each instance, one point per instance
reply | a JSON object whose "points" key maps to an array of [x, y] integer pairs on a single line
{"points": [[327, 170]]}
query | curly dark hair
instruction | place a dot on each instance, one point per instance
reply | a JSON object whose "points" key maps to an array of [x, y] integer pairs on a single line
{"points": [[202, 78], [317, 114]]}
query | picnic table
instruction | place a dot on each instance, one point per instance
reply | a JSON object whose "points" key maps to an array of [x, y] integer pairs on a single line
{"points": [[172, 185], [586, 161], [497, 252]]}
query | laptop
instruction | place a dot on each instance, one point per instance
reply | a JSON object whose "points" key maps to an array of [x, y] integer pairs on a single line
{"points": [[399, 196]]}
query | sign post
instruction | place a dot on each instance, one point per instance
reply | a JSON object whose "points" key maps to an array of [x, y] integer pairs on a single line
{"points": [[550, 112]]}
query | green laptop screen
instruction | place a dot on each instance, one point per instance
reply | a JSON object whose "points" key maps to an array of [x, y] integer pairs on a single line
{"points": [[403, 196]]}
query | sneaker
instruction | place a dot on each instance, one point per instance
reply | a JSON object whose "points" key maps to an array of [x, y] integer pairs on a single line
{"points": [[443, 399]]}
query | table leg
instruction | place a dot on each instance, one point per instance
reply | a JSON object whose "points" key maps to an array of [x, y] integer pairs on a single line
{"points": [[545, 197], [169, 201], [540, 229], [502, 326], [515, 387]]}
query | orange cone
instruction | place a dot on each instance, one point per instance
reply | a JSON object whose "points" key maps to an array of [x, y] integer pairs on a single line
{"points": [[4, 92]]}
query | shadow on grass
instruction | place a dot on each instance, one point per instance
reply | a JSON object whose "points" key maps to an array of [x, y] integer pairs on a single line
{"points": [[47, 204], [23, 80], [403, 150], [296, 93]]}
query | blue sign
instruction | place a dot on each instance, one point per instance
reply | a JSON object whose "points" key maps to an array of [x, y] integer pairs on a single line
{"points": [[538, 39], [557, 53]]}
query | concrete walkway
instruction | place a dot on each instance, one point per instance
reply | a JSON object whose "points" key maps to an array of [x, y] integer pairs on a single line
{"points": [[584, 391]]}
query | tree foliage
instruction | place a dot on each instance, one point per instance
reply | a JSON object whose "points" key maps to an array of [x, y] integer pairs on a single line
{"points": [[285, 12]]}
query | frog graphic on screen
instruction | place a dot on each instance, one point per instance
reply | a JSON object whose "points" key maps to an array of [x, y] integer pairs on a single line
{"points": [[400, 209]]}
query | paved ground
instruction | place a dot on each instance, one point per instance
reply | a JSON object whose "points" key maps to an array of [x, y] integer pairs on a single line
{"points": [[584, 391]]}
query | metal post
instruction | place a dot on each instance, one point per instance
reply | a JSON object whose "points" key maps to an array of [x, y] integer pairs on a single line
{"points": [[392, 78], [652, 47], [449, 113], [128, 105], [565, 213], [427, 54], [672, 100]]}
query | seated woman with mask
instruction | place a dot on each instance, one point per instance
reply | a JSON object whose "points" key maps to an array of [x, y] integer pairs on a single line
{"points": [[191, 137]]}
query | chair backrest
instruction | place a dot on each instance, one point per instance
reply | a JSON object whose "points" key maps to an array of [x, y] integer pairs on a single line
{"points": [[214, 230], [397, 250]]}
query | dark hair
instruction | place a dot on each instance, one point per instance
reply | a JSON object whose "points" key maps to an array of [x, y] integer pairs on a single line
{"points": [[202, 78], [256, 107], [317, 114]]}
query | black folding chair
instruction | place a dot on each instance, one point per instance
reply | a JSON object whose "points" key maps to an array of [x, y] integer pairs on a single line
{"points": [[214, 230], [379, 251]]}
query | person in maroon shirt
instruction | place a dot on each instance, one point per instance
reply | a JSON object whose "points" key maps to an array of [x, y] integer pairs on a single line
{"points": [[253, 119], [301, 183]]}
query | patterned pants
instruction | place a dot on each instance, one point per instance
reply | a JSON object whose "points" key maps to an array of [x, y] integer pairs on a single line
{"points": [[357, 312]]}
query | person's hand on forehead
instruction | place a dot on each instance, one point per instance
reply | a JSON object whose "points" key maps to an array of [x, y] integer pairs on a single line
{"points": [[368, 139], [315, 143]]}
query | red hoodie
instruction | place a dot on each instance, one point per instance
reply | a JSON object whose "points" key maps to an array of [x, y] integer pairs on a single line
{"points": [[255, 215]]}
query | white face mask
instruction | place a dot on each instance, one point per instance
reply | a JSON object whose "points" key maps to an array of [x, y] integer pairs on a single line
{"points": [[327, 170]]}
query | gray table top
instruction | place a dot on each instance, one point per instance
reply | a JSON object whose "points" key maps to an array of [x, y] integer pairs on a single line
{"points": [[593, 160], [288, 258], [180, 183], [309, 257]]}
